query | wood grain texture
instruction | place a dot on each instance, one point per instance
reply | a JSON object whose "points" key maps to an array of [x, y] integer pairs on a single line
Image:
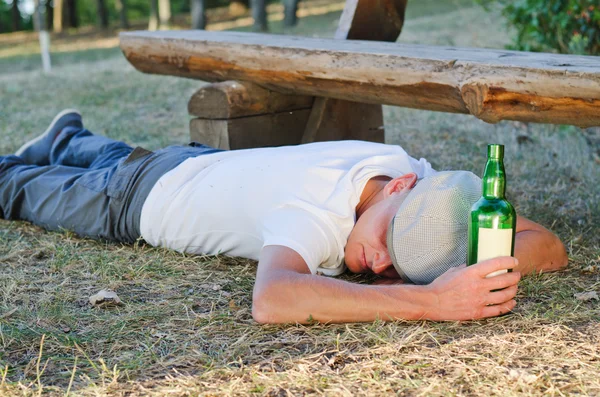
{"points": [[490, 84], [276, 129], [232, 99]]}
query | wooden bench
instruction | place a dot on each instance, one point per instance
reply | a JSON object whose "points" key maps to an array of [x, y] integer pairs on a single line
{"points": [[275, 90]]}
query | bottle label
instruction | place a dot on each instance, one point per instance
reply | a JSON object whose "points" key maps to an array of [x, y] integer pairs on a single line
{"points": [[493, 243]]}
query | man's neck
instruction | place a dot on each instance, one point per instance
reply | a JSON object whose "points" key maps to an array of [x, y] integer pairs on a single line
{"points": [[371, 194]]}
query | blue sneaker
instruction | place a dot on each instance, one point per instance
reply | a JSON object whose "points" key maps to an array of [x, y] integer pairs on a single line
{"points": [[37, 150]]}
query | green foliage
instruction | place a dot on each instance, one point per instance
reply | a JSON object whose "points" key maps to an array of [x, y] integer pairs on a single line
{"points": [[5, 20], [566, 26]]}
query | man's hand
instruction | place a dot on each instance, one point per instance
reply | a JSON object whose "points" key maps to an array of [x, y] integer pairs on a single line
{"points": [[464, 293]]}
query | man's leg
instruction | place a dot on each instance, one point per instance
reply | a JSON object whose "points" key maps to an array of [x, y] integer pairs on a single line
{"points": [[67, 142], [56, 197], [78, 147]]}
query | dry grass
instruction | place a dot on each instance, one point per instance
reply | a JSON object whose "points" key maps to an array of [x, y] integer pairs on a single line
{"points": [[186, 327]]}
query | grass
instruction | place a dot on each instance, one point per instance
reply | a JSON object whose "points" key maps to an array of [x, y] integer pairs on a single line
{"points": [[186, 326]]}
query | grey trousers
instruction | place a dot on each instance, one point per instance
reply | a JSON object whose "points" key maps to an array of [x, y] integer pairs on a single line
{"points": [[94, 186]]}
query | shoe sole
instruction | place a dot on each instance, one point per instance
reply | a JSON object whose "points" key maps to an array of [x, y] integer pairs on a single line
{"points": [[32, 142]]}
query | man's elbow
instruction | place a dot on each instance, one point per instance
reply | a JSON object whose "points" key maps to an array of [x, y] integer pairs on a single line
{"points": [[561, 254], [261, 313], [264, 305], [558, 257]]}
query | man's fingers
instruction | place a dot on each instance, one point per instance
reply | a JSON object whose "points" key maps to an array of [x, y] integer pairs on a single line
{"points": [[502, 281], [502, 296], [492, 265], [497, 310]]}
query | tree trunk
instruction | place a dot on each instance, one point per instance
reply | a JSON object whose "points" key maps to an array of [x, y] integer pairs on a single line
{"points": [[164, 13], [198, 14], [49, 13], [121, 6], [259, 13], [153, 21], [290, 8], [72, 13], [36, 16], [16, 16], [57, 23], [102, 20]]}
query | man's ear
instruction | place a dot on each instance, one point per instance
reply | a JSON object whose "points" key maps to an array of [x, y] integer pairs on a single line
{"points": [[400, 184]]}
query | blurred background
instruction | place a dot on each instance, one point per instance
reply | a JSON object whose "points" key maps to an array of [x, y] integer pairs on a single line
{"points": [[565, 26]]}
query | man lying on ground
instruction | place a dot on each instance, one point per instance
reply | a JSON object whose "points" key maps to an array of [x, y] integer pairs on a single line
{"points": [[301, 211]]}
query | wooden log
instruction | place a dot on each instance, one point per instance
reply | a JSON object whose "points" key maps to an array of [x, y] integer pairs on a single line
{"points": [[374, 20], [547, 88], [276, 129], [232, 99]]}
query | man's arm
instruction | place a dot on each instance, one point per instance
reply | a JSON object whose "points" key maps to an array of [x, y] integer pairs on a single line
{"points": [[286, 292], [537, 248]]}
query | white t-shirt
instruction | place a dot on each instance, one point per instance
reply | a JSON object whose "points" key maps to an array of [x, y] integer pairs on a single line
{"points": [[302, 197]]}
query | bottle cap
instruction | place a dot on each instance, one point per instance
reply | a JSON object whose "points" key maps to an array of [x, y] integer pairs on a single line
{"points": [[495, 151]]}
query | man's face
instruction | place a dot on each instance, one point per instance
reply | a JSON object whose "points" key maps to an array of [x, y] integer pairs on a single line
{"points": [[366, 250]]}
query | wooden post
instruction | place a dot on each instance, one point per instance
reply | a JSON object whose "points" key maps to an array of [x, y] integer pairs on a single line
{"points": [[233, 115], [44, 37]]}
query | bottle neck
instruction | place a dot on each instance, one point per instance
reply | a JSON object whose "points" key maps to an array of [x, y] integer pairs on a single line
{"points": [[494, 179]]}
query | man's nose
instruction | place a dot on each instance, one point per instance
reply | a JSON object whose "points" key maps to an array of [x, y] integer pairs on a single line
{"points": [[381, 261]]}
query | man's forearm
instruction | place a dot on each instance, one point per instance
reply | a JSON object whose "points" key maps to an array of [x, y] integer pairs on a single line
{"points": [[303, 297], [459, 294]]}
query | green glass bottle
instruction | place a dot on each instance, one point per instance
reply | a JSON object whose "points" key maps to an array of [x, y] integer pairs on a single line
{"points": [[493, 220]]}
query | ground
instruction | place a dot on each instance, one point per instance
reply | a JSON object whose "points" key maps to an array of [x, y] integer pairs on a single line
{"points": [[186, 328]]}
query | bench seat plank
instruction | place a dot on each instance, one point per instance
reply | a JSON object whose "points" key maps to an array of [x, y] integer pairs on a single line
{"points": [[490, 84]]}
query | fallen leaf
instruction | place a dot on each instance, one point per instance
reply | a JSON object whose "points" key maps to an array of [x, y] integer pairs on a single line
{"points": [[105, 298], [522, 375], [586, 296]]}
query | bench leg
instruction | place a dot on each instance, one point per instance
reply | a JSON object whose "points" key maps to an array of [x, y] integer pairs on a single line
{"points": [[277, 129], [336, 119]]}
